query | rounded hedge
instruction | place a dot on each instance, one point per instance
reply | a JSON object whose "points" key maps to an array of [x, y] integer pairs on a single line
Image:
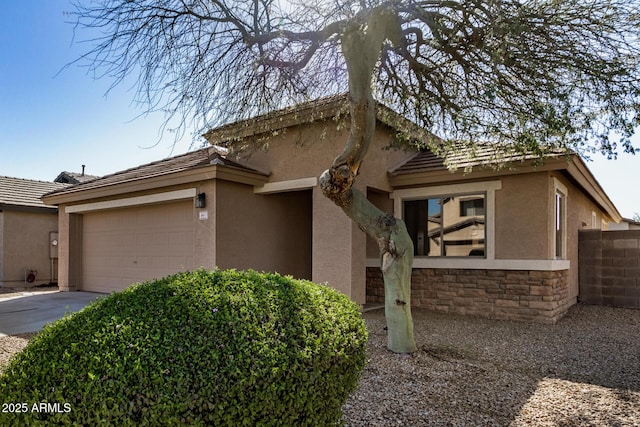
{"points": [[198, 348]]}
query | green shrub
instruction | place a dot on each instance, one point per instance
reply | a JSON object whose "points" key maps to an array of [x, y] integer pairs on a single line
{"points": [[200, 348]]}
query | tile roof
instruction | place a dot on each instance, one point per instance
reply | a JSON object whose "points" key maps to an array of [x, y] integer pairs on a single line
{"points": [[481, 156], [192, 160], [308, 112], [74, 177], [18, 192]]}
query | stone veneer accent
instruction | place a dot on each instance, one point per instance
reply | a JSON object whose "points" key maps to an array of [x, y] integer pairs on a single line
{"points": [[539, 296]]}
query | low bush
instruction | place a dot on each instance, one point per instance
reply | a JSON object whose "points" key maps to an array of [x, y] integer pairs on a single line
{"points": [[198, 348]]}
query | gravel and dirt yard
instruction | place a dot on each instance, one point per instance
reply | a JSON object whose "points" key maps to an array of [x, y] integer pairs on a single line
{"points": [[583, 371]]}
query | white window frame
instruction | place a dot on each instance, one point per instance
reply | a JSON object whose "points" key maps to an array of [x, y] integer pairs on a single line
{"points": [[487, 187], [488, 262], [559, 218]]}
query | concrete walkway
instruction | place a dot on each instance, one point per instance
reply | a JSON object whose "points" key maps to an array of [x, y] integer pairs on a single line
{"points": [[30, 311]]}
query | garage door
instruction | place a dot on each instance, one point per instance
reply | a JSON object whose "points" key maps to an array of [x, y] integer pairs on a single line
{"points": [[124, 246]]}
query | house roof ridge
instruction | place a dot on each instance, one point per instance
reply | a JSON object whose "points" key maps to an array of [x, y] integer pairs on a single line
{"points": [[263, 123], [310, 111], [81, 185], [200, 157]]}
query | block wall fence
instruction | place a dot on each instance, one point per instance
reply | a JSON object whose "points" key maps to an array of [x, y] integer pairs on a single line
{"points": [[609, 268]]}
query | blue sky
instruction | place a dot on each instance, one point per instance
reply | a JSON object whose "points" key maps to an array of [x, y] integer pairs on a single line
{"points": [[52, 121]]}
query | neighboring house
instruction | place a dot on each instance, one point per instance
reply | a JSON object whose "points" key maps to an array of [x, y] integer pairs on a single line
{"points": [[625, 224], [27, 229], [74, 177], [498, 243]]}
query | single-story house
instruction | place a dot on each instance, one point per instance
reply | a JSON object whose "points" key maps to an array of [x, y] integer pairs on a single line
{"points": [[28, 233], [499, 243]]}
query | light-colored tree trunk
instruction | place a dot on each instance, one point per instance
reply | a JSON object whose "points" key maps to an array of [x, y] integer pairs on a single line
{"points": [[361, 47]]}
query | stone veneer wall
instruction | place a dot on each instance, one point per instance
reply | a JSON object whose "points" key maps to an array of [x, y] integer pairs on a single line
{"points": [[539, 296], [609, 267]]}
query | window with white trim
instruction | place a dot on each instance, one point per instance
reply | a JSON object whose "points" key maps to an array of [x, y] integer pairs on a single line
{"points": [[451, 225], [469, 207], [560, 221]]}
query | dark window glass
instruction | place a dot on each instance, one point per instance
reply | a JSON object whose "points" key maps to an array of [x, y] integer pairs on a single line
{"points": [[447, 226]]}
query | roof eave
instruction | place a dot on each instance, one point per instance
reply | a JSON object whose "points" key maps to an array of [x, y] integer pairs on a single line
{"points": [[148, 183], [441, 175], [579, 171]]}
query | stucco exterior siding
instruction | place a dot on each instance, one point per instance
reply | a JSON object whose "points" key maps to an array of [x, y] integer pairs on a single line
{"points": [[582, 214], [307, 151], [205, 220], [264, 232], [25, 245], [522, 217], [336, 243]]}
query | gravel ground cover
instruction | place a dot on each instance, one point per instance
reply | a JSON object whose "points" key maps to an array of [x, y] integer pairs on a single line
{"points": [[583, 371]]}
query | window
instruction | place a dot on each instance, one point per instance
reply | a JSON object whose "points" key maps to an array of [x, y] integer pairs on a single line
{"points": [[472, 207], [560, 225], [446, 226]]}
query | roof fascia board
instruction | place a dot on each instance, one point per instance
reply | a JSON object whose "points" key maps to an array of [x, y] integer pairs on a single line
{"points": [[579, 171], [167, 196], [159, 181], [445, 176]]}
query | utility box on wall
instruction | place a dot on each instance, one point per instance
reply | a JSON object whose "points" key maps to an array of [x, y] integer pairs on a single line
{"points": [[53, 244]]}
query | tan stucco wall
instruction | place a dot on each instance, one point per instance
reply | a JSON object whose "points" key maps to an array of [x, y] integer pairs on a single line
{"points": [[25, 244], [525, 219], [69, 250], [264, 232], [579, 217], [204, 254], [521, 222], [339, 247], [308, 151]]}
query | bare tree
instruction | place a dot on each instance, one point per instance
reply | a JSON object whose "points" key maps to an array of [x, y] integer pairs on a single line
{"points": [[524, 76]]}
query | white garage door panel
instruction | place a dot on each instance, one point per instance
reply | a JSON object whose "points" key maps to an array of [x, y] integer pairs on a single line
{"points": [[123, 246]]}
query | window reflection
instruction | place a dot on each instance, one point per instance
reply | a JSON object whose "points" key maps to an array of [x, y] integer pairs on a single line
{"points": [[447, 226]]}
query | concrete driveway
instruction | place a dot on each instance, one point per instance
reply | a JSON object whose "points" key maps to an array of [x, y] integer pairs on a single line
{"points": [[29, 312]]}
